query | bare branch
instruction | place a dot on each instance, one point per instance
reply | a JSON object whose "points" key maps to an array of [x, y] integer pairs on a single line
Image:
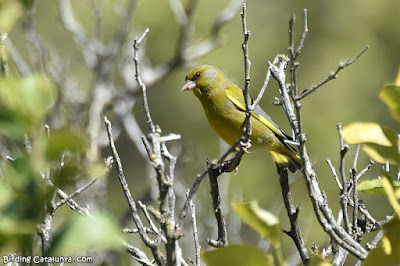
{"points": [[77, 192], [3, 56], [222, 239], [335, 176], [121, 176], [138, 255], [140, 83], [247, 64], [197, 246], [344, 192], [333, 75], [293, 212], [318, 198]]}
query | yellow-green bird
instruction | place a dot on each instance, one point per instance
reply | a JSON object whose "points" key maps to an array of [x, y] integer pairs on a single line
{"points": [[223, 103]]}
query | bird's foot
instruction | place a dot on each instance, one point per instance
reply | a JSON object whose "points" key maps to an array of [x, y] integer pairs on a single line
{"points": [[244, 146], [226, 166]]}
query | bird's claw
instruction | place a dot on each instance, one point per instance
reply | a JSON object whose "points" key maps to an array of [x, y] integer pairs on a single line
{"points": [[244, 146], [236, 171]]}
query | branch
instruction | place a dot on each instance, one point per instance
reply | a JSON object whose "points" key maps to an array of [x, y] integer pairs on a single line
{"points": [[222, 239], [197, 246], [344, 192], [140, 82], [318, 198], [158, 151], [292, 212], [121, 176], [331, 76], [3, 56]]}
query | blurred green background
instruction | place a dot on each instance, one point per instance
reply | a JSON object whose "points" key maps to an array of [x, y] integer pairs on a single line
{"points": [[337, 30]]}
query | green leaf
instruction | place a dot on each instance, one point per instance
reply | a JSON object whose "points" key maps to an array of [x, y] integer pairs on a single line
{"points": [[236, 255], [318, 260], [62, 140], [390, 94], [366, 133], [262, 221], [373, 186], [24, 103], [388, 250], [83, 233]]}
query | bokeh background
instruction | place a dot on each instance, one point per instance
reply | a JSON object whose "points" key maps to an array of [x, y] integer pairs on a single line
{"points": [[337, 30]]}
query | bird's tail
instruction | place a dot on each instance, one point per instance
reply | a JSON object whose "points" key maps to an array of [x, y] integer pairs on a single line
{"points": [[291, 161]]}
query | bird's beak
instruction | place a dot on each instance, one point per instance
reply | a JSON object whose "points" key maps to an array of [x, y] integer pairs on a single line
{"points": [[189, 85]]}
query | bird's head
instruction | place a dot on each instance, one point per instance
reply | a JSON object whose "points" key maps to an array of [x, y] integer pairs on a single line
{"points": [[201, 79]]}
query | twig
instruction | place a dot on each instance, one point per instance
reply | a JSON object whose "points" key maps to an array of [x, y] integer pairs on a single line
{"points": [[353, 176], [3, 56], [332, 75], [70, 202], [138, 255], [319, 201], [97, 8], [77, 192], [335, 176], [140, 82], [370, 164], [153, 227], [222, 239], [20, 63], [375, 241], [121, 176], [292, 212], [197, 246], [229, 165], [247, 64], [156, 152], [199, 178], [293, 55], [344, 192]]}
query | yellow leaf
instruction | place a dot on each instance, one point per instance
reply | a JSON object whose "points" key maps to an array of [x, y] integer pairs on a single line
{"points": [[374, 154], [387, 247], [391, 196], [390, 94], [365, 132], [262, 221], [397, 82]]}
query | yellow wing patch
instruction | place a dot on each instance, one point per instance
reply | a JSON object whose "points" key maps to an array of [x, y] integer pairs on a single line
{"points": [[261, 118]]}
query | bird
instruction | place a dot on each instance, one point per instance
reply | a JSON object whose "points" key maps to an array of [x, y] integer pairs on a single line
{"points": [[224, 106]]}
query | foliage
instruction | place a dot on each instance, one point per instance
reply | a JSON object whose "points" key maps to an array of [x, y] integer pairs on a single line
{"points": [[384, 147], [237, 255]]}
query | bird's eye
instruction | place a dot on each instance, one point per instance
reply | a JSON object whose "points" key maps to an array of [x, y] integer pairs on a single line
{"points": [[197, 74]]}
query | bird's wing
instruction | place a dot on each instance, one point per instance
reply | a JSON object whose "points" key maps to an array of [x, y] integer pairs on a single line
{"points": [[259, 114]]}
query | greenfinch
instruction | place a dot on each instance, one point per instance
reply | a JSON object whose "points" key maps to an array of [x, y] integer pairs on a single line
{"points": [[223, 103]]}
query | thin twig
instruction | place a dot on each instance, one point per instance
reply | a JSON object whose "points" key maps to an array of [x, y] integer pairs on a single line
{"points": [[247, 64], [121, 176], [153, 227], [3, 56], [353, 176], [77, 192], [222, 239], [332, 75], [335, 176], [319, 201], [140, 82], [293, 212], [197, 246], [138, 255], [344, 192]]}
